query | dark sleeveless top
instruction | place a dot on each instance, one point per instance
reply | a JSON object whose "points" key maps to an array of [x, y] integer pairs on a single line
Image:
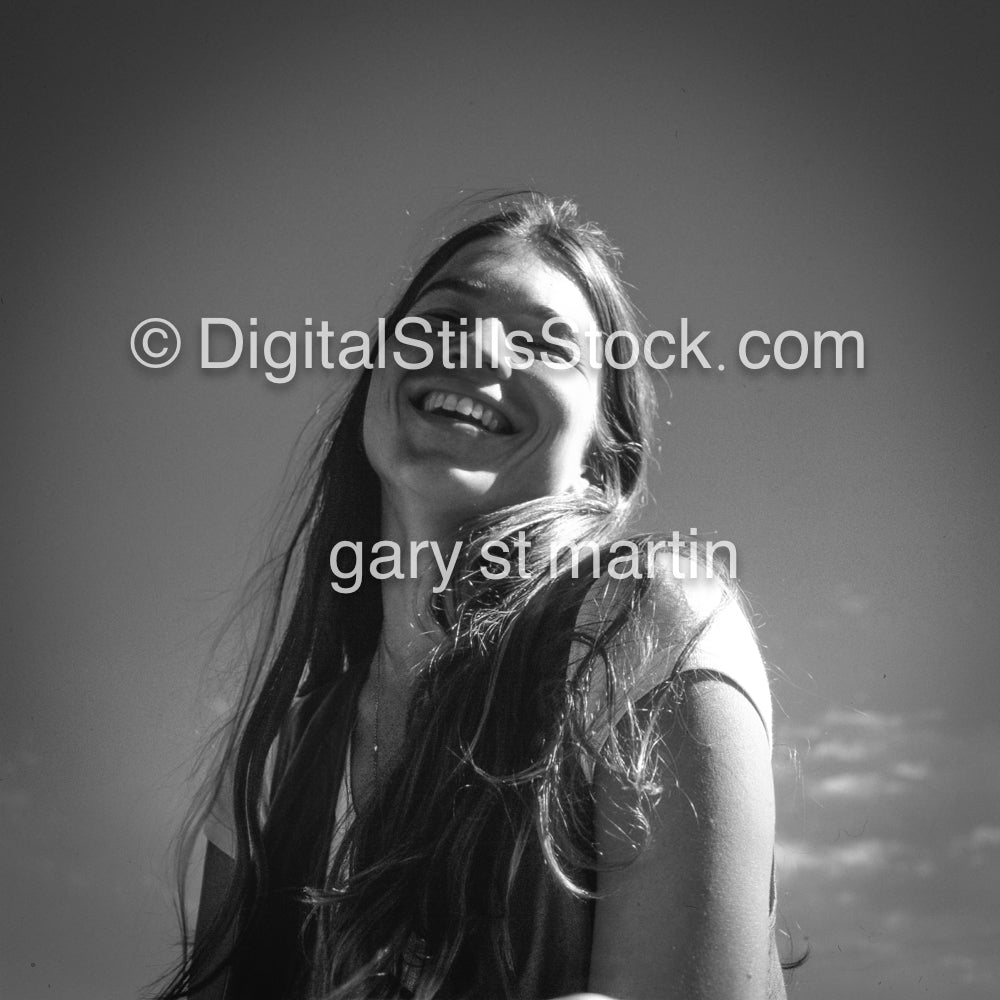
{"points": [[550, 929]]}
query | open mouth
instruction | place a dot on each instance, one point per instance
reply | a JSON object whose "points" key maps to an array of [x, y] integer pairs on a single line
{"points": [[466, 410]]}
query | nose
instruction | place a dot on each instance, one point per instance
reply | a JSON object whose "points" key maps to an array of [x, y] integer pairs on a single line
{"points": [[483, 345]]}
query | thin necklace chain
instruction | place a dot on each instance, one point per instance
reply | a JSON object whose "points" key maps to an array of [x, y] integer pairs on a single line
{"points": [[378, 701]]}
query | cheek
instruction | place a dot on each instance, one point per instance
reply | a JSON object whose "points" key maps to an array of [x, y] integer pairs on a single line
{"points": [[373, 425], [586, 409], [580, 416]]}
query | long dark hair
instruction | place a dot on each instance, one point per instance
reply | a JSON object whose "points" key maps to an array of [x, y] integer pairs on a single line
{"points": [[498, 735]]}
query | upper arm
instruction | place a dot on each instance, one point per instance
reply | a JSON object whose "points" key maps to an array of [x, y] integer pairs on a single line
{"points": [[689, 915]]}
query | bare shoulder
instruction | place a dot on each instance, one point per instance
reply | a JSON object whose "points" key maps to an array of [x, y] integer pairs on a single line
{"points": [[677, 593], [692, 908], [684, 621]]}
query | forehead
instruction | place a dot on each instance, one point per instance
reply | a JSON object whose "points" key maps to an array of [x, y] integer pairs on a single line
{"points": [[507, 273]]}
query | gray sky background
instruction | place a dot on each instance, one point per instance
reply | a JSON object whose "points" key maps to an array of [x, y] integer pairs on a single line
{"points": [[773, 166]]}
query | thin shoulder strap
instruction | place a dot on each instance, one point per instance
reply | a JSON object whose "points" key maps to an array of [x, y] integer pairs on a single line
{"points": [[725, 650]]}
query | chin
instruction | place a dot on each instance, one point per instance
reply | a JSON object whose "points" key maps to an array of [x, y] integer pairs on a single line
{"points": [[465, 492], [460, 494]]}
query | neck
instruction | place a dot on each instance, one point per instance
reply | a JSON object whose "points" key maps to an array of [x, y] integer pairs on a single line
{"points": [[425, 544]]}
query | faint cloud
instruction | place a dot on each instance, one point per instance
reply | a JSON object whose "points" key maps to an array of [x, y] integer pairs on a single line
{"points": [[984, 836], [857, 719], [971, 971], [912, 771], [886, 847], [869, 785], [846, 602], [896, 780], [979, 842], [851, 602], [858, 857], [844, 751]]}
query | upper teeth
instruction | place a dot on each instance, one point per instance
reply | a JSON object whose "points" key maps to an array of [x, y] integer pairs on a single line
{"points": [[468, 407]]}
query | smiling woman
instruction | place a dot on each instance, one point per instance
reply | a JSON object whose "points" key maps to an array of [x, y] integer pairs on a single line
{"points": [[543, 419], [457, 783]]}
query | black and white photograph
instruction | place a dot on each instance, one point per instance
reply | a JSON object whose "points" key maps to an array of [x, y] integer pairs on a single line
{"points": [[500, 501]]}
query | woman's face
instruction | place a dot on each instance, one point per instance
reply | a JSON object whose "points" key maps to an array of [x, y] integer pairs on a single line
{"points": [[470, 438]]}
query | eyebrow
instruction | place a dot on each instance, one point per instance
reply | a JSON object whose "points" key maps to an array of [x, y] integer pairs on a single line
{"points": [[478, 289]]}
